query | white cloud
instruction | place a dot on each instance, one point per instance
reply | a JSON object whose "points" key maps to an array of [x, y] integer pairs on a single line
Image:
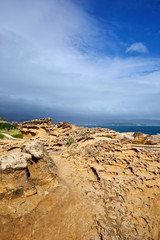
{"points": [[137, 47], [42, 63]]}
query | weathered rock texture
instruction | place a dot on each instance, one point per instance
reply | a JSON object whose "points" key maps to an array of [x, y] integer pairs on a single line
{"points": [[20, 171], [106, 189], [13, 173], [43, 121], [139, 138], [35, 205], [41, 168], [35, 127]]}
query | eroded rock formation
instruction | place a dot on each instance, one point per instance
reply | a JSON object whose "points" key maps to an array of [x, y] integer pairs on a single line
{"points": [[102, 188], [14, 180], [41, 121], [35, 127], [20, 172]]}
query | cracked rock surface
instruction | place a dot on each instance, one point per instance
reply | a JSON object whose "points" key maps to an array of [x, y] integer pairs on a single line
{"points": [[97, 188]]}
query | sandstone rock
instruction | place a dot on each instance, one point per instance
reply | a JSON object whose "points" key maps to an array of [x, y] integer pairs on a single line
{"points": [[138, 135], [121, 181], [7, 146], [41, 167], [14, 179], [16, 160], [64, 125], [35, 148], [126, 136], [61, 215], [35, 127], [43, 121], [20, 171], [148, 138]]}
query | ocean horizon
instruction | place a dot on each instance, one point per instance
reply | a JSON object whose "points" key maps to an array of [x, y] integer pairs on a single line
{"points": [[151, 130]]}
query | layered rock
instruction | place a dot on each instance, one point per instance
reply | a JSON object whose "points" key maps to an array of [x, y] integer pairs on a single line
{"points": [[41, 121], [35, 127]]}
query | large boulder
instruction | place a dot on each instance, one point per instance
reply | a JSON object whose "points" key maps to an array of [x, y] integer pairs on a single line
{"points": [[20, 172], [41, 167], [14, 175]]}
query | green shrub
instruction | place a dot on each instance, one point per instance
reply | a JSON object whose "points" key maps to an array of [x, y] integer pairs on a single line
{"points": [[70, 141], [83, 134], [1, 136], [13, 127], [108, 136], [5, 125], [18, 135], [2, 119]]}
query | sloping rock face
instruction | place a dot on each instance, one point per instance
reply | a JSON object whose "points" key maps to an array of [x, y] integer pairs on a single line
{"points": [[101, 188], [61, 214]]}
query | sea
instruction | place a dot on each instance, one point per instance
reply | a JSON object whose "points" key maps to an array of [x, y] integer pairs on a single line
{"points": [[151, 130]]}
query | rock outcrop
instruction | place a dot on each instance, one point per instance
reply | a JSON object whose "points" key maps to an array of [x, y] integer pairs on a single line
{"points": [[14, 180], [41, 121], [35, 127], [41, 168], [20, 172], [138, 135]]}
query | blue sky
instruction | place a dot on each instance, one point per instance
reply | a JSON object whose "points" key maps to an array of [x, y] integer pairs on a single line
{"points": [[127, 22], [80, 61]]}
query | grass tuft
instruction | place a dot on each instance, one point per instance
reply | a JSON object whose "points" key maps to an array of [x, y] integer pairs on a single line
{"points": [[108, 136], [1, 136], [18, 135], [70, 141], [83, 134]]}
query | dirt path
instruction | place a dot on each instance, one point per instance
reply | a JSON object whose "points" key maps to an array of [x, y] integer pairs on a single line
{"points": [[7, 136]]}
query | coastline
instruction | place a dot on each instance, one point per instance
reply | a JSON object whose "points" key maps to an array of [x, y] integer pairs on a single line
{"points": [[151, 130]]}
